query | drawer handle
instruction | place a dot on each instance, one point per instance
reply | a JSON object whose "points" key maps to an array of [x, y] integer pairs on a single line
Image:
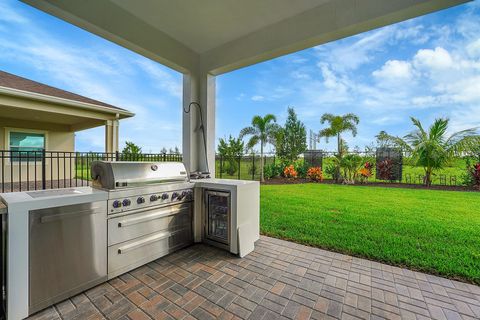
{"points": [[153, 216], [61, 216], [147, 241]]}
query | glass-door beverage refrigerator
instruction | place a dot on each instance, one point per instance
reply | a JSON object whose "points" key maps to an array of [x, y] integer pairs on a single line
{"points": [[217, 216]]}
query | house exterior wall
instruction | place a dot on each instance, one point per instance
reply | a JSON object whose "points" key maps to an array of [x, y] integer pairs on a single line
{"points": [[55, 140]]}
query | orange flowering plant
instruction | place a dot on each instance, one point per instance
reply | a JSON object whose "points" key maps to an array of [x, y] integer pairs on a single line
{"points": [[365, 172], [290, 172], [315, 174]]}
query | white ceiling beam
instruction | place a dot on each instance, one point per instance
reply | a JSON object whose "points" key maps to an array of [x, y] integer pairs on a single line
{"points": [[328, 22], [111, 22]]}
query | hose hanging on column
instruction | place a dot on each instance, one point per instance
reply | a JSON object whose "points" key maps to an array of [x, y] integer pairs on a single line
{"points": [[201, 127]]}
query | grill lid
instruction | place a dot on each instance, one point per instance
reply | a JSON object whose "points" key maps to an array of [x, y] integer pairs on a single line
{"points": [[125, 174]]}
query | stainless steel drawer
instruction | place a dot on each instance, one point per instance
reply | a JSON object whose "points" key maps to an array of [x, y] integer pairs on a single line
{"points": [[136, 225], [126, 256]]}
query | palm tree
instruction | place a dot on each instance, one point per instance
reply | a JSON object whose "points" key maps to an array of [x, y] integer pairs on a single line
{"points": [[433, 149], [262, 130], [339, 125]]}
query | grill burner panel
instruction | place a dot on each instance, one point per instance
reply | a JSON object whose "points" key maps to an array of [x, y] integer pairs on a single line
{"points": [[144, 201]]}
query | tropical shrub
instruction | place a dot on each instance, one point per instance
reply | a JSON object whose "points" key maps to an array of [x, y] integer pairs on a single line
{"points": [[229, 167], [331, 170], [230, 152], [315, 174], [131, 149], [365, 172], [385, 169], [391, 161], [253, 169], [301, 169], [273, 170], [350, 165], [472, 178], [432, 148], [290, 172]]}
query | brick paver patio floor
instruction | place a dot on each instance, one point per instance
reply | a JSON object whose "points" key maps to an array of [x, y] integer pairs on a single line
{"points": [[279, 280]]}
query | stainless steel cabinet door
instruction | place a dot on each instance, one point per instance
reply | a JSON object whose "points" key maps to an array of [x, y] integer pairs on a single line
{"points": [[67, 251]]}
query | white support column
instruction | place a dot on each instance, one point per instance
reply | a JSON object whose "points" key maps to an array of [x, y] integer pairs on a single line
{"points": [[201, 89], [111, 135]]}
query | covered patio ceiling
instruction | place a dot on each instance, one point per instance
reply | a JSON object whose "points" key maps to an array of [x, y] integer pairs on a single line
{"points": [[202, 39], [222, 35]]}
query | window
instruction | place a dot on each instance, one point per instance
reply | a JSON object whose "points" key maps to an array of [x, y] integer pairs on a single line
{"points": [[26, 146]]}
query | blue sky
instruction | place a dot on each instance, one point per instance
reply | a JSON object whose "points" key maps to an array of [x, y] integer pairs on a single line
{"points": [[426, 67]]}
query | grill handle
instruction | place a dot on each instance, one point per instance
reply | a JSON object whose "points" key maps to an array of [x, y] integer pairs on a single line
{"points": [[152, 216], [146, 241]]}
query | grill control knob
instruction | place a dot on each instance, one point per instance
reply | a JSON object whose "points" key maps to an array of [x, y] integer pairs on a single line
{"points": [[183, 195], [174, 195], [140, 200], [165, 196], [126, 202], [117, 204], [153, 197]]}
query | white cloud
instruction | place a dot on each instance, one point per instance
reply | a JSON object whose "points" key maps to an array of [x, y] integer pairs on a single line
{"points": [[423, 101], [394, 70], [300, 60], [473, 49], [415, 33], [299, 75], [386, 120], [164, 80], [241, 96], [8, 14], [258, 98], [433, 59], [361, 51]]}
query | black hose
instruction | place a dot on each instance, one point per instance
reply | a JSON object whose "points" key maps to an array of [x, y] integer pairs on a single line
{"points": [[201, 127]]}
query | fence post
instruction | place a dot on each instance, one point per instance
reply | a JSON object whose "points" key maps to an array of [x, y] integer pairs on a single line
{"points": [[44, 178], [221, 167], [117, 155], [239, 165], [253, 166]]}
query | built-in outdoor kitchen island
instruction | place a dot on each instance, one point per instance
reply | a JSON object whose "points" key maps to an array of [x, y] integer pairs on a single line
{"points": [[61, 242]]}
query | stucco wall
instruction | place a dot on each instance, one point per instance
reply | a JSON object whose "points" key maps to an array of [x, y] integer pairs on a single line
{"points": [[55, 141]]}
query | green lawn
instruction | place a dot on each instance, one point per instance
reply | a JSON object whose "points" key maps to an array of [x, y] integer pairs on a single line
{"points": [[432, 231]]}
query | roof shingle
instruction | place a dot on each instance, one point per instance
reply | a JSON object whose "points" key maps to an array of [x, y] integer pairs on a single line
{"points": [[15, 82]]}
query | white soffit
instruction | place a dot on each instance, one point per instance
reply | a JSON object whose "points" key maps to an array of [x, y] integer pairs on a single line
{"points": [[203, 25]]}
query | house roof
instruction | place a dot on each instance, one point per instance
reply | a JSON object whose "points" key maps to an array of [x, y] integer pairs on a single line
{"points": [[12, 81]]}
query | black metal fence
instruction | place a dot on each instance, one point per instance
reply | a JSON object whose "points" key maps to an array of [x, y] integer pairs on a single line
{"points": [[38, 170], [244, 167], [247, 167]]}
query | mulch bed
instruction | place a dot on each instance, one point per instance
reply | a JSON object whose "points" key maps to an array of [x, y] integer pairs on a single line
{"points": [[277, 181]]}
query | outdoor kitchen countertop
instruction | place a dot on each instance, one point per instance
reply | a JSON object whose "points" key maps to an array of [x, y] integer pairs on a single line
{"points": [[53, 197], [228, 182]]}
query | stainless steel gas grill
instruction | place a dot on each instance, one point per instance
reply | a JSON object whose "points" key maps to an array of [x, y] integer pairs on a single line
{"points": [[150, 211]]}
